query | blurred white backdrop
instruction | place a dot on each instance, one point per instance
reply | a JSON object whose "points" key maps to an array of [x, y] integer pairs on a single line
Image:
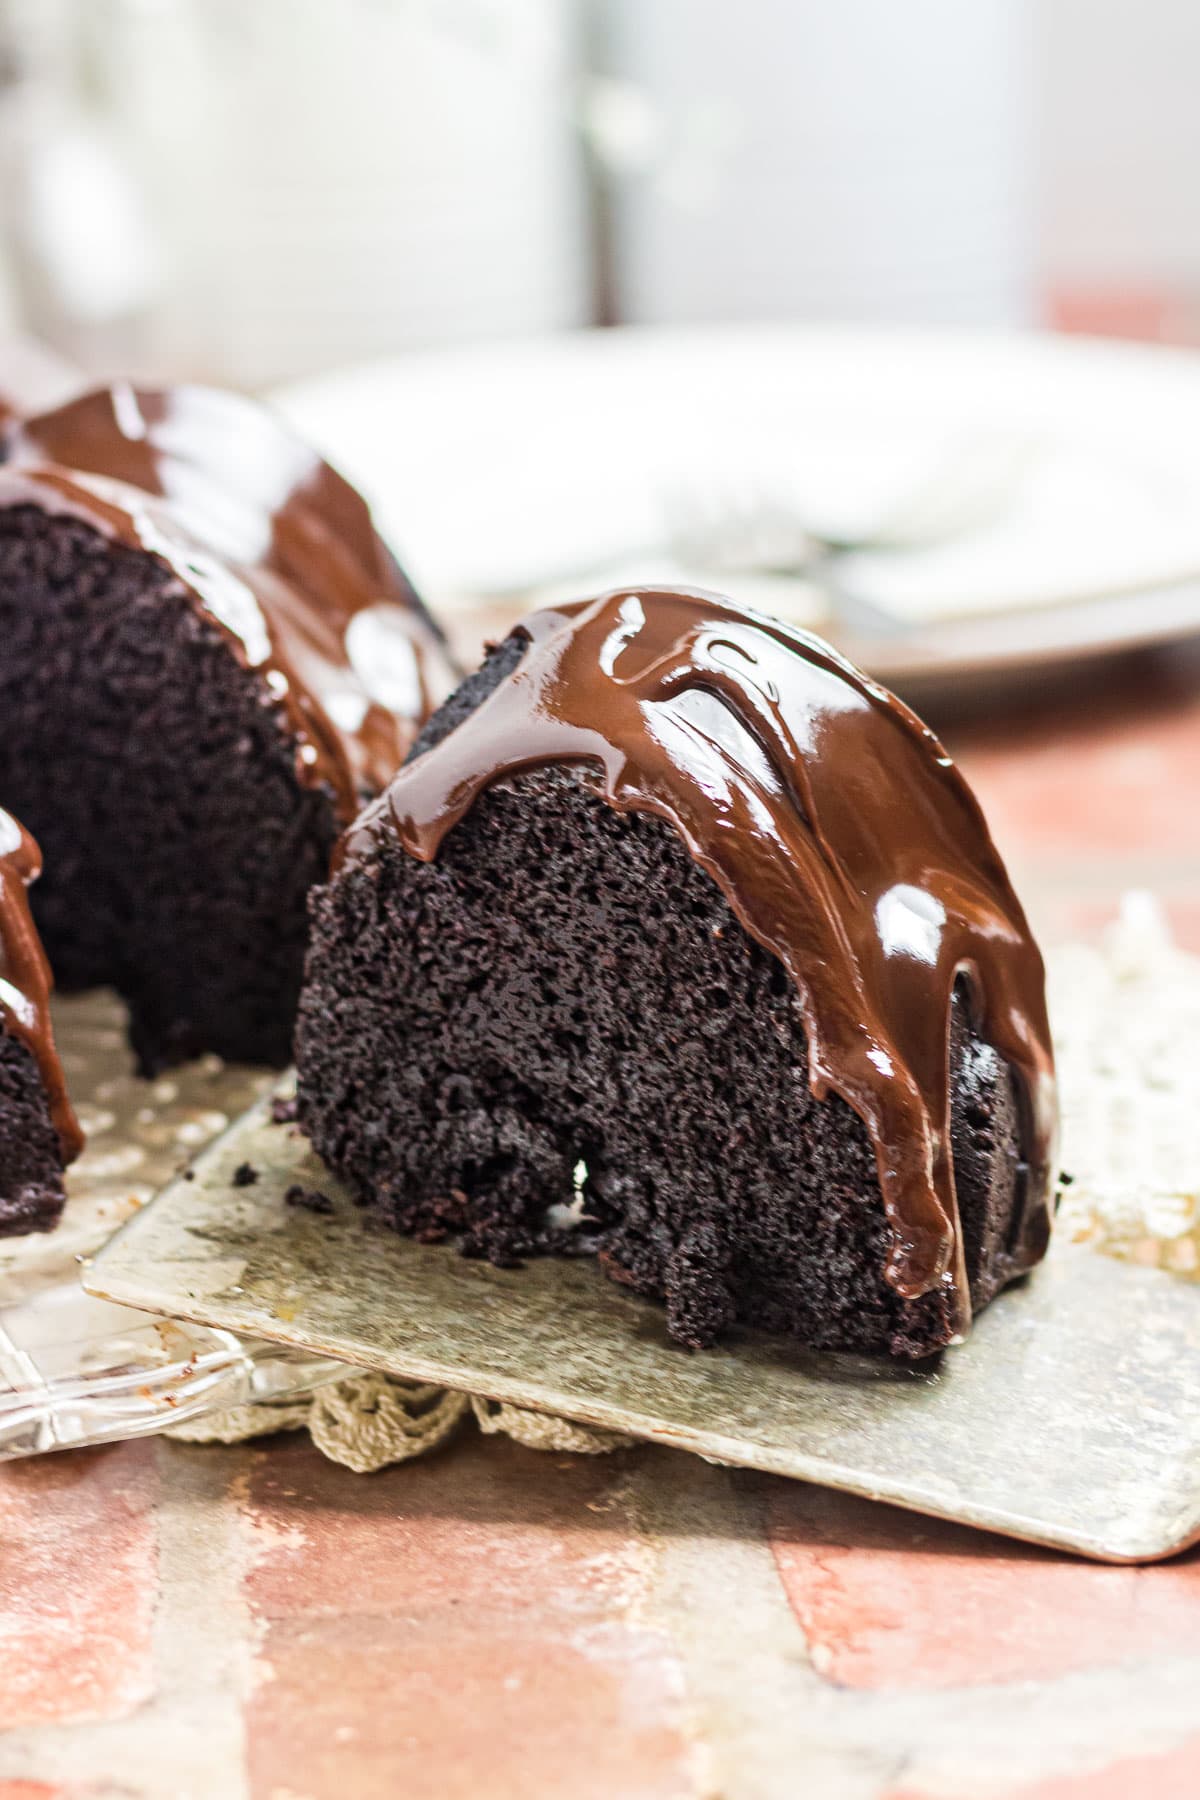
{"points": [[255, 190], [286, 182], [858, 161], [1120, 144]]}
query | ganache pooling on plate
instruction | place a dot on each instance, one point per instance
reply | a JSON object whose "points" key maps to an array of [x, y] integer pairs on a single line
{"points": [[25, 980], [272, 545], [840, 832]]}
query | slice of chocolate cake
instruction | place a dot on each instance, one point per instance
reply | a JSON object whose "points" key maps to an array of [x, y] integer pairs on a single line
{"points": [[39, 1134], [680, 941], [209, 660]]}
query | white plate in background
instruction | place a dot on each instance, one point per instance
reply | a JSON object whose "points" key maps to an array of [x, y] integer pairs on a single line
{"points": [[555, 464]]}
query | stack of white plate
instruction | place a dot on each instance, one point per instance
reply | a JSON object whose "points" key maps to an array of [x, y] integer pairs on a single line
{"points": [[1023, 499]]}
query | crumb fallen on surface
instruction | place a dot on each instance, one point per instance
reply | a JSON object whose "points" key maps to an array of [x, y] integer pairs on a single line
{"points": [[245, 1175], [311, 1199], [283, 1112], [189, 1174]]}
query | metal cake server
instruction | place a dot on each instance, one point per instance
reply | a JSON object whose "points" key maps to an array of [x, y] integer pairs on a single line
{"points": [[1069, 1417]]}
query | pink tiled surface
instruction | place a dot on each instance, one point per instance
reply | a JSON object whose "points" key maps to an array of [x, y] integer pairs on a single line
{"points": [[1088, 796], [258, 1624]]}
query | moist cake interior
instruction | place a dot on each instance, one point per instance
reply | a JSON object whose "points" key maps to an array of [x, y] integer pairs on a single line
{"points": [[566, 990], [159, 778], [31, 1158]]}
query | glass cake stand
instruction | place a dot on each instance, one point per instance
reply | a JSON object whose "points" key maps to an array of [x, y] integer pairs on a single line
{"points": [[76, 1370]]}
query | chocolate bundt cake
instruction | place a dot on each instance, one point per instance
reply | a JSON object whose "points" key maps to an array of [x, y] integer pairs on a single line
{"points": [[39, 1134], [680, 941], [209, 661]]}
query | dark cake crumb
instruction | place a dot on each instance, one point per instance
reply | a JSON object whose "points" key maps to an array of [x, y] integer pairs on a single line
{"points": [[158, 775], [245, 1175], [31, 1165], [311, 1199], [283, 1112], [482, 1105], [697, 1286]]}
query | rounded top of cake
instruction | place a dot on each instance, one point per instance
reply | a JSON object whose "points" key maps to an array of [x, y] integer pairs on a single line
{"points": [[25, 981], [274, 547], [842, 835]]}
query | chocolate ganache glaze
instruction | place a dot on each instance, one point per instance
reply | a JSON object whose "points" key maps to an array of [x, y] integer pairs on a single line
{"points": [[25, 977], [841, 834], [273, 546]]}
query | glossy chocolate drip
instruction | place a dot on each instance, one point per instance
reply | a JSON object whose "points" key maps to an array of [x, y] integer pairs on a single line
{"points": [[841, 834], [25, 977], [274, 547]]}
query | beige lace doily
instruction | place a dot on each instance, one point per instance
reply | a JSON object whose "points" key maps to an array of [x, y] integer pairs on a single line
{"points": [[1126, 1021], [371, 1421]]}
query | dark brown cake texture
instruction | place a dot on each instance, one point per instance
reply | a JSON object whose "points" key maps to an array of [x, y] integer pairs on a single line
{"points": [[39, 1133], [681, 942], [209, 660]]}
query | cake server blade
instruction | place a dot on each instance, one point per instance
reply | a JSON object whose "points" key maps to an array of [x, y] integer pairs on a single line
{"points": [[1067, 1418]]}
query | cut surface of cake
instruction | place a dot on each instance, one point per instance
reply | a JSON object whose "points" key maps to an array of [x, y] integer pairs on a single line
{"points": [[681, 942], [39, 1134], [210, 660]]}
